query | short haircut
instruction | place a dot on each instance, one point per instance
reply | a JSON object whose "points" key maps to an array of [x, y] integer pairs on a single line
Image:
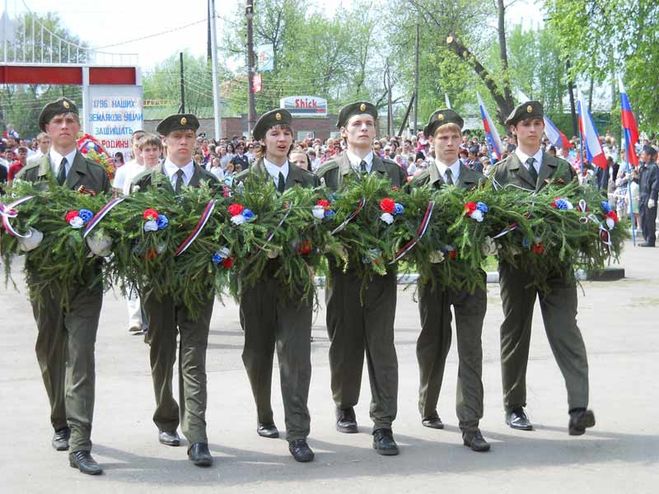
{"points": [[448, 127], [149, 140]]}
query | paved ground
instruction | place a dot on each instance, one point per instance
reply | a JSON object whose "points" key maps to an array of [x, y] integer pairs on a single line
{"points": [[619, 321]]}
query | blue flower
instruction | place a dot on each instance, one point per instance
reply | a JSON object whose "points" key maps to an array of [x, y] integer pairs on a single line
{"points": [[562, 204], [329, 214], [162, 221], [399, 208], [248, 214], [217, 258], [482, 207], [526, 243], [85, 215], [606, 207]]}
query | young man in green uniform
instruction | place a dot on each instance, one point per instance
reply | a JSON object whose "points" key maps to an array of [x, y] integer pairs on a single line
{"points": [[355, 328], [269, 317], [67, 335], [444, 132], [168, 317], [530, 168]]}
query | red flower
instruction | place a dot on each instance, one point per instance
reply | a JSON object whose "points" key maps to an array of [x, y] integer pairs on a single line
{"points": [[452, 254], [613, 215], [150, 214], [388, 205], [470, 207], [151, 254], [235, 209], [553, 203], [305, 247], [70, 215], [228, 263], [324, 203], [538, 248]]}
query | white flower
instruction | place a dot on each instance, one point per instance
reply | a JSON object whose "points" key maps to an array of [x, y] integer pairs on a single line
{"points": [[31, 241], [318, 212], [151, 226], [436, 256], [77, 222], [477, 215], [224, 252], [489, 247], [387, 218], [568, 204], [610, 223], [273, 254], [161, 248], [238, 219], [99, 244]]}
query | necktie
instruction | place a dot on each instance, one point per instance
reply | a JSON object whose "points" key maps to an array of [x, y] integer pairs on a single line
{"points": [[61, 173], [449, 177], [281, 183], [532, 171], [179, 181], [362, 166]]}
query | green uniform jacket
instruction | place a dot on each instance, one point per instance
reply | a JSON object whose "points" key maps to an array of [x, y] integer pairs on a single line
{"points": [[333, 172], [468, 178], [296, 175], [145, 179], [512, 171], [83, 172]]}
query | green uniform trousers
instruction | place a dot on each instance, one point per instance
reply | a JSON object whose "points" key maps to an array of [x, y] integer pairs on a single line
{"points": [[166, 320], [355, 328], [270, 319], [433, 346], [65, 352], [559, 312]]}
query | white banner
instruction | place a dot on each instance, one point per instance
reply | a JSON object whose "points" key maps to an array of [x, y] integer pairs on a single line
{"points": [[114, 113]]}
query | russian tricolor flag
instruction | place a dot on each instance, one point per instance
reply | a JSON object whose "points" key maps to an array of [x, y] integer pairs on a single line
{"points": [[491, 134], [629, 127], [590, 140], [555, 136]]}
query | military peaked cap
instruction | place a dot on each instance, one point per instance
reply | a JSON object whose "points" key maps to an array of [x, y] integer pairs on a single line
{"points": [[356, 109], [528, 109], [178, 121]]}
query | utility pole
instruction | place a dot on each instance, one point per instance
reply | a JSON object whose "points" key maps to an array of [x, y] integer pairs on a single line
{"points": [[251, 114], [182, 107], [216, 83], [416, 76]]}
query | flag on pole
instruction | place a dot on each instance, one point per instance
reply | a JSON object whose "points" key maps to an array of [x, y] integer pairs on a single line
{"points": [[257, 84], [491, 135], [590, 140], [629, 127], [555, 136], [447, 101]]}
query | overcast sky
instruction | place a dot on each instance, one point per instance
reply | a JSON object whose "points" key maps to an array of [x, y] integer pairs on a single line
{"points": [[111, 25]]}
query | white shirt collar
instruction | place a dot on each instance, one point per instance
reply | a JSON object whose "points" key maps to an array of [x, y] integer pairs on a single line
{"points": [[523, 157], [56, 159], [171, 169], [454, 167], [275, 170], [356, 160]]}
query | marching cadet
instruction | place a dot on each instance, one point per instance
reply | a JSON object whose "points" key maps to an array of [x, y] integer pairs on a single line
{"points": [[168, 317], [530, 168], [444, 132], [355, 328], [67, 335], [269, 317]]}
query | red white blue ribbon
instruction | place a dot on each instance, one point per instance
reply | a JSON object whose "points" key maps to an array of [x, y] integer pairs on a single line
{"points": [[420, 232], [508, 229], [281, 222], [101, 214], [352, 216], [8, 211], [205, 216]]}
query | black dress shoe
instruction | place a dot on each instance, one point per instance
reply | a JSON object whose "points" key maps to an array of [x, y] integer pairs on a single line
{"points": [[169, 438], [300, 450], [645, 244], [475, 441], [200, 455], [433, 421], [267, 430], [517, 419], [61, 439], [83, 461], [346, 420], [580, 420], [383, 442]]}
